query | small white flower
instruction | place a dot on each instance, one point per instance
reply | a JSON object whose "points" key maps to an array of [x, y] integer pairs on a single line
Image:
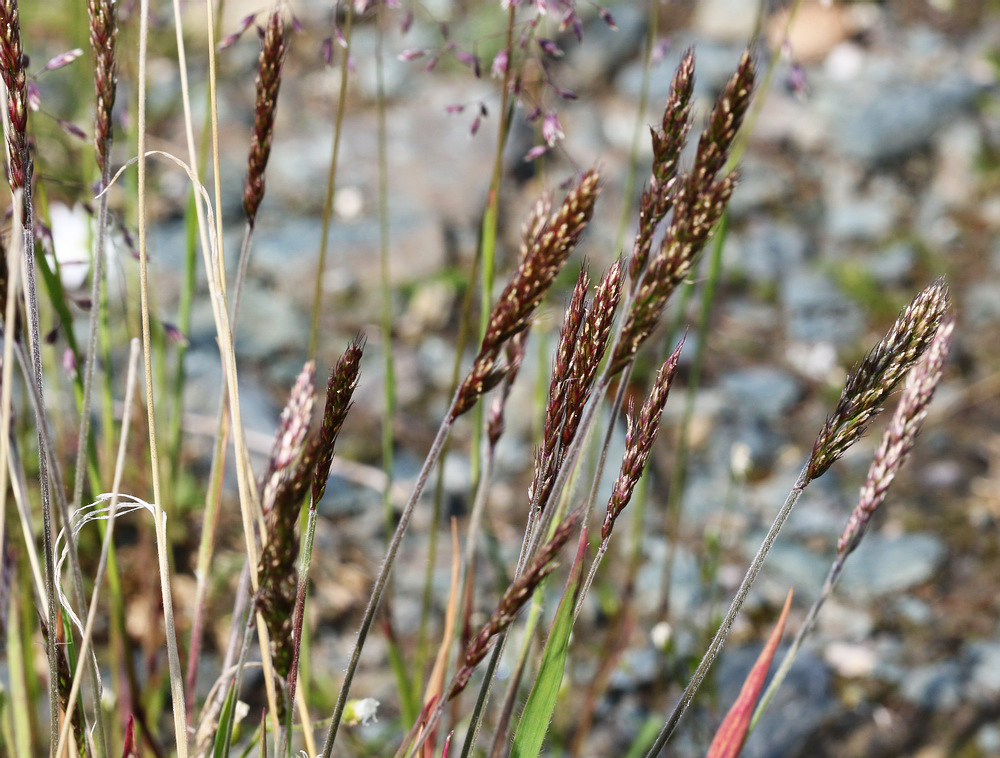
{"points": [[364, 711]]}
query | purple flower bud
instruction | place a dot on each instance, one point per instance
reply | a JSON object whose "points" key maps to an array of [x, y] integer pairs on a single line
{"points": [[338, 34], [500, 62], [411, 54], [454, 108], [34, 95], [798, 84], [63, 59], [607, 18], [360, 6], [565, 94], [659, 52], [404, 27], [72, 129], [352, 64], [326, 51], [174, 334], [570, 19], [482, 109], [541, 7], [550, 48], [551, 129], [465, 57], [296, 24], [445, 31], [535, 153], [476, 122], [230, 40], [432, 63], [533, 115]]}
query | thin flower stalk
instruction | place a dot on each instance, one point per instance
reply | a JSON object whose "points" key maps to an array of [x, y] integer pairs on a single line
{"points": [[872, 380], [892, 452]]}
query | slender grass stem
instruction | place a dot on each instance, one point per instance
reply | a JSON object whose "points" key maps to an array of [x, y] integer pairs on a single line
{"points": [[719, 640], [102, 564], [176, 680], [383, 577]]}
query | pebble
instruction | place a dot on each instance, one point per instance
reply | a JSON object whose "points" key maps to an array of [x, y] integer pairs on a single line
{"points": [[888, 565], [817, 311]]}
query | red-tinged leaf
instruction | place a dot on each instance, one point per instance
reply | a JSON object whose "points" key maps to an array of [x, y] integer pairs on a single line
{"points": [[130, 749], [447, 745], [729, 739]]}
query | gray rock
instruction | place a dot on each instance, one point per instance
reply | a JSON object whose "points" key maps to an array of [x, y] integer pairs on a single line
{"points": [[725, 20], [603, 50], [984, 682], [982, 303], [898, 118], [761, 391], [887, 565], [936, 686], [766, 251], [818, 311], [893, 265], [798, 709]]}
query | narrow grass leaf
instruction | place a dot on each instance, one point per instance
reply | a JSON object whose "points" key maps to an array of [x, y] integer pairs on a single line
{"points": [[541, 703], [224, 734], [129, 749], [729, 738]]}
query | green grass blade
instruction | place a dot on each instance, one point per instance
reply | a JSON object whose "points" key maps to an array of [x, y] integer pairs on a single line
{"points": [[541, 703], [224, 734]]}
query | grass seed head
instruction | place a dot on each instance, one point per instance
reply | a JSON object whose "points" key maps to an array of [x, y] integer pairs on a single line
{"points": [[103, 41], [272, 56], [872, 380], [899, 437], [12, 69]]}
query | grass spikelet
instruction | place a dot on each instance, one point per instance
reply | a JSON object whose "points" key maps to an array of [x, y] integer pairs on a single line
{"points": [[339, 391], [272, 56], [103, 41], [698, 204], [898, 439], [12, 69], [639, 441], [871, 381], [292, 429], [591, 346], [544, 256], [555, 410], [513, 600], [668, 141]]}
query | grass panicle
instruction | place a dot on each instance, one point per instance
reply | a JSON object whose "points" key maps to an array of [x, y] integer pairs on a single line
{"points": [[103, 42], [514, 598], [668, 141], [545, 254], [591, 346], [700, 200], [292, 429], [555, 409], [269, 64], [899, 437], [513, 358], [12, 68], [875, 377], [639, 441], [339, 391]]}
